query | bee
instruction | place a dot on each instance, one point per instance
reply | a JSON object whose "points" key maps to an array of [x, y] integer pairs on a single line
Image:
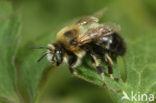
{"points": [[86, 37]]}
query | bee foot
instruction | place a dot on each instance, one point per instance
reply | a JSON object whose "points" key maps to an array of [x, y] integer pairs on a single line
{"points": [[104, 85], [74, 73], [111, 76]]}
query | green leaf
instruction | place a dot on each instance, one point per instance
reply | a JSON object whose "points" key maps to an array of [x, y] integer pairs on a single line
{"points": [[9, 27], [34, 74], [140, 65], [135, 71], [22, 80], [19, 78]]}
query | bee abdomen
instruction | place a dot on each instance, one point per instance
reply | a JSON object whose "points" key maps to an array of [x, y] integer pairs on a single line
{"points": [[117, 46]]}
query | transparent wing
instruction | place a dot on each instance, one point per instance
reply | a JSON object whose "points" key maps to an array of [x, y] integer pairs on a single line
{"points": [[113, 26], [91, 18], [95, 33]]}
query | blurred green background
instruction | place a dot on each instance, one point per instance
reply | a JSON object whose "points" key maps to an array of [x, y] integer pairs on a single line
{"points": [[41, 17]]}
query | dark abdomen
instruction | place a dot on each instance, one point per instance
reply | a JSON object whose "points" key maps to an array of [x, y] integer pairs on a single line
{"points": [[117, 46]]}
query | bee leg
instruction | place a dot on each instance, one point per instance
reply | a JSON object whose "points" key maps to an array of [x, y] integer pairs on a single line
{"points": [[110, 64], [72, 63], [99, 68], [101, 72], [110, 72]]}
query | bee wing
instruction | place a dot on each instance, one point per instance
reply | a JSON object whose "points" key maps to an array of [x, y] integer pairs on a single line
{"points": [[113, 26], [95, 34], [91, 18]]}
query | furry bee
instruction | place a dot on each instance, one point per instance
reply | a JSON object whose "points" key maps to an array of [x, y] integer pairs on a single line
{"points": [[86, 37]]}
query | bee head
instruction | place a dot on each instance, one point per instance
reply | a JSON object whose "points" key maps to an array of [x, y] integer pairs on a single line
{"points": [[54, 54]]}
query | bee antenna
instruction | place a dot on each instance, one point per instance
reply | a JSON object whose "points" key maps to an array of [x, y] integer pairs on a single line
{"points": [[42, 57], [38, 47]]}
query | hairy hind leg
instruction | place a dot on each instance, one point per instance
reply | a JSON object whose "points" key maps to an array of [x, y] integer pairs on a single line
{"points": [[99, 68], [72, 63], [110, 64]]}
